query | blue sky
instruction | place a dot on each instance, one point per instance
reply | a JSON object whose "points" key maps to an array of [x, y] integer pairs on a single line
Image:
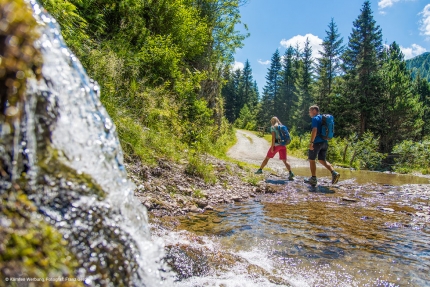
{"points": [[274, 24]]}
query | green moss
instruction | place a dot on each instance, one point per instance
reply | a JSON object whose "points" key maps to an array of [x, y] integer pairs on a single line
{"points": [[30, 247]]}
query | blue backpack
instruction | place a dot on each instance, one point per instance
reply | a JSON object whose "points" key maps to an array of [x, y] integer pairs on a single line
{"points": [[284, 134], [327, 130]]}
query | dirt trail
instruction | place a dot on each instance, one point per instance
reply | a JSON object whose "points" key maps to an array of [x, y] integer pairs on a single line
{"points": [[253, 149]]}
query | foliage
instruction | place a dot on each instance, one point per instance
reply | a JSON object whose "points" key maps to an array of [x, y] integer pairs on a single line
{"points": [[361, 62], [271, 91], [288, 101], [246, 120], [198, 166], [413, 156], [304, 89], [240, 90], [153, 61], [329, 65], [400, 111]]}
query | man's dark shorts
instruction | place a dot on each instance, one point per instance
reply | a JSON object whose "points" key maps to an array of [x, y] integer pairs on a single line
{"points": [[320, 150]]}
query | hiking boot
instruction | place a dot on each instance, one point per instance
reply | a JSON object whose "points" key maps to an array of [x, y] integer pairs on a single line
{"points": [[334, 177], [290, 175], [259, 171], [312, 180]]}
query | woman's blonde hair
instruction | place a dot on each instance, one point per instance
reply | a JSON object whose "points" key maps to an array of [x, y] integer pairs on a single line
{"points": [[275, 121]]}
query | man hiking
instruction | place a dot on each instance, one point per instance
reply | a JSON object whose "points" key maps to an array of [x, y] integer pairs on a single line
{"points": [[318, 148], [276, 147]]}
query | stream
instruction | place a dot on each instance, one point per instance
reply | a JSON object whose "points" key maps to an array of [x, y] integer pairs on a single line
{"points": [[371, 229]]}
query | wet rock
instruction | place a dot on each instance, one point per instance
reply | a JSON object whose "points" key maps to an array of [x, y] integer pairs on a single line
{"points": [[387, 209], [349, 199], [209, 207], [217, 220], [201, 203], [195, 209]]}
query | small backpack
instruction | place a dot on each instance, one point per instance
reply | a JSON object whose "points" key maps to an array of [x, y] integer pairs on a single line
{"points": [[284, 134], [327, 130]]}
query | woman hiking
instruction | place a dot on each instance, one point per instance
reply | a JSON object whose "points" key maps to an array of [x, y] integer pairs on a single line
{"points": [[275, 148]]}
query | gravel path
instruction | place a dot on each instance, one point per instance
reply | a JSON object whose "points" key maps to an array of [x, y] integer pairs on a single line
{"points": [[253, 149]]}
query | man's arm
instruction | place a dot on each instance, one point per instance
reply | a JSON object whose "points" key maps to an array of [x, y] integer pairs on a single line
{"points": [[313, 136]]}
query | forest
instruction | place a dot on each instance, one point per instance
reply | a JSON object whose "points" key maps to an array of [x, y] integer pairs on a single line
{"points": [[165, 72], [381, 108]]}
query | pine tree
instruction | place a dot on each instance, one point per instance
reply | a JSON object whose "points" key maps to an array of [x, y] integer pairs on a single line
{"points": [[400, 111], [239, 101], [249, 94], [329, 65], [422, 88], [272, 90], [228, 92], [361, 63], [288, 97], [304, 88]]}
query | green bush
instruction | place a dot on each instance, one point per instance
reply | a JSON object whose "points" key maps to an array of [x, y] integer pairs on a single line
{"points": [[247, 120], [198, 166], [413, 156]]}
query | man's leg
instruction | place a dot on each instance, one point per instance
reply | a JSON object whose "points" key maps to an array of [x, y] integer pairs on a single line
{"points": [[326, 164], [313, 167], [322, 159]]}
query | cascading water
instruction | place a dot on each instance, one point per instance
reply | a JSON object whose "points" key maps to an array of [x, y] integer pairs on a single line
{"points": [[66, 147]]}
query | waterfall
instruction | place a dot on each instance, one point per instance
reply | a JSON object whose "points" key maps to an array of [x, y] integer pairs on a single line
{"points": [[67, 149]]}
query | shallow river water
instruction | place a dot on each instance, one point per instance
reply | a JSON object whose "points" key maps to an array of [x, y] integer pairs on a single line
{"points": [[370, 229]]}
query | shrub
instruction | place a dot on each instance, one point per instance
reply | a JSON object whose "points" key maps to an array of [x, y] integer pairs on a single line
{"points": [[412, 156]]}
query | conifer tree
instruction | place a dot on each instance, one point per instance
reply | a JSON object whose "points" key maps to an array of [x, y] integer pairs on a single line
{"points": [[228, 93], [288, 98], [250, 95], [329, 65], [422, 88], [304, 89], [400, 111], [271, 90], [361, 63], [239, 96]]}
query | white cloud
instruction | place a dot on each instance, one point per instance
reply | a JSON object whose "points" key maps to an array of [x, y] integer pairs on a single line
{"points": [[238, 65], [386, 3], [412, 51], [315, 43], [425, 21], [264, 62]]}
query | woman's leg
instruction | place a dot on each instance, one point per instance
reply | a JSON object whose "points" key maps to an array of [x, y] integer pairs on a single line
{"points": [[287, 164], [265, 161]]}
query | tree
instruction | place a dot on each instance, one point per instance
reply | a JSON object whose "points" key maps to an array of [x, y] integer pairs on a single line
{"points": [[329, 65], [361, 63], [250, 95], [288, 98], [422, 88], [228, 92], [304, 88], [271, 90], [400, 111]]}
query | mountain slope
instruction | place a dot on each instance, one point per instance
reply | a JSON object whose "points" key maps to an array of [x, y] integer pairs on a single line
{"points": [[420, 64]]}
